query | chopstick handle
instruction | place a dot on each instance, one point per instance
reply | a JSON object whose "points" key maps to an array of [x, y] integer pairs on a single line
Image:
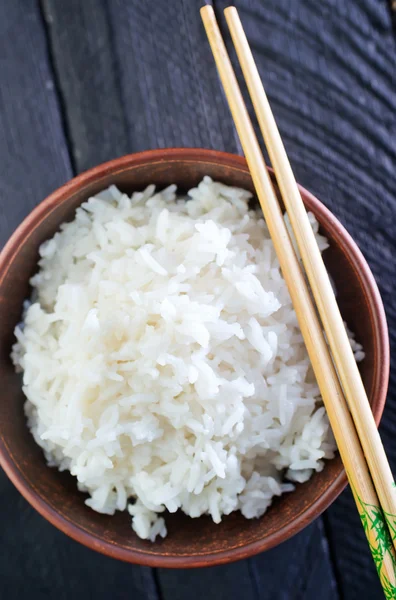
{"points": [[318, 278], [339, 416]]}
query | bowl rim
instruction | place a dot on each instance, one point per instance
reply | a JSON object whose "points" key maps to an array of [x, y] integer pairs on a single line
{"points": [[380, 378]]}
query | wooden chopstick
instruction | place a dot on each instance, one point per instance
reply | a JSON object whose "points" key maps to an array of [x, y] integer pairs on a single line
{"points": [[318, 278], [336, 407]]}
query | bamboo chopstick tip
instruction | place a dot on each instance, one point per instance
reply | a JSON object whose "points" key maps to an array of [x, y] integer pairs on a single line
{"points": [[206, 10], [230, 10]]}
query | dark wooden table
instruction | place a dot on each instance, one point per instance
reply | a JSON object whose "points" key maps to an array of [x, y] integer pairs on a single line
{"points": [[83, 81]]}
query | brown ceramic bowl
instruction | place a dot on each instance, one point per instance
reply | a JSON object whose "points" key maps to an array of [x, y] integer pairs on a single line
{"points": [[190, 542]]}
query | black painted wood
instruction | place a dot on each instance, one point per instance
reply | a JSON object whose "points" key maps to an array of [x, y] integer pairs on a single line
{"points": [[223, 583], [38, 562], [81, 44], [330, 72], [120, 76], [33, 155], [129, 84], [297, 570], [170, 90]]}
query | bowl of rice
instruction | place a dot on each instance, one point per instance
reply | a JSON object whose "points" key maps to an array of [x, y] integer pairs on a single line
{"points": [[158, 404]]}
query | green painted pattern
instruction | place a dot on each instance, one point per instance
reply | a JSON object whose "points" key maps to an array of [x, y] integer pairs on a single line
{"points": [[391, 521], [380, 530]]}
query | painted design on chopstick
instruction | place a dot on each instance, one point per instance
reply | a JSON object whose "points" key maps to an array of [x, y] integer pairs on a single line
{"points": [[375, 525], [380, 543], [391, 521]]}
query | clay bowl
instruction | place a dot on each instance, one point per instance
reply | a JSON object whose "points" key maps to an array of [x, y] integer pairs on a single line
{"points": [[190, 542]]}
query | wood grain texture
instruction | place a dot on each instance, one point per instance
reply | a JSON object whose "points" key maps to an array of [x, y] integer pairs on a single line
{"points": [[88, 79], [34, 158], [262, 577], [127, 84], [39, 562], [170, 90], [311, 577], [329, 71]]}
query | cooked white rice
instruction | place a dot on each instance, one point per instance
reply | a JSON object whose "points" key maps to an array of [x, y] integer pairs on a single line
{"points": [[162, 360]]}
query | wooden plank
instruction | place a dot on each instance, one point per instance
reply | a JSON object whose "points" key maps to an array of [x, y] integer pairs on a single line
{"points": [[308, 574], [126, 86], [169, 87], [34, 158], [290, 571], [226, 582], [84, 63], [329, 71], [40, 562]]}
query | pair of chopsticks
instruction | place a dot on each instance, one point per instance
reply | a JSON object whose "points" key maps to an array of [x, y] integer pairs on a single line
{"points": [[354, 428]]}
